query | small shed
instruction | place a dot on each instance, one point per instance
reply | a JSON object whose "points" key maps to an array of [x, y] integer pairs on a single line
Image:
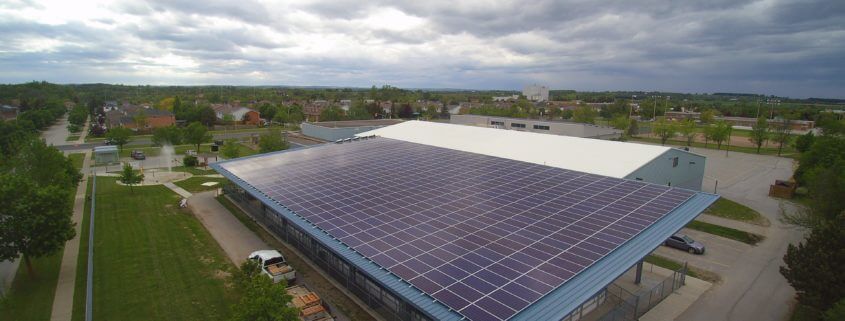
{"points": [[106, 155]]}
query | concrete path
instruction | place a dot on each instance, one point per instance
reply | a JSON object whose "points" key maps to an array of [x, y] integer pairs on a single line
{"points": [[8, 269], [752, 287], [63, 299], [181, 191], [235, 238]]}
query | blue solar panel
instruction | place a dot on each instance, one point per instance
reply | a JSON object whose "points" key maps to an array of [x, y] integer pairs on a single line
{"points": [[485, 236]]}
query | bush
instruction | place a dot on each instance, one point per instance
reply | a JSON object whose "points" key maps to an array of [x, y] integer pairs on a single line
{"points": [[190, 161]]}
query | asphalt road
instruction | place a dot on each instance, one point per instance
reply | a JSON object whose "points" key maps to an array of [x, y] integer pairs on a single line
{"points": [[67, 146], [752, 287]]}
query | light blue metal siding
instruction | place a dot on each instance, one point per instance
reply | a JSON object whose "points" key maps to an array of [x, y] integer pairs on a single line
{"points": [[333, 133], [689, 173], [569, 296], [410, 294]]}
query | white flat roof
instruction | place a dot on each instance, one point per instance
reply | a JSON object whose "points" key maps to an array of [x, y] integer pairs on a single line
{"points": [[602, 157]]}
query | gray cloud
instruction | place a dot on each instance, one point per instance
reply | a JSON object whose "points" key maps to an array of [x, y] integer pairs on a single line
{"points": [[781, 47]]}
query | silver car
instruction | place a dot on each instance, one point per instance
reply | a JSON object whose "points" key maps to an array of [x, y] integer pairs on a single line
{"points": [[686, 243]]}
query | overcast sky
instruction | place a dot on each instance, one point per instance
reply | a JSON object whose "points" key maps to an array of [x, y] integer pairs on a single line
{"points": [[788, 48]]}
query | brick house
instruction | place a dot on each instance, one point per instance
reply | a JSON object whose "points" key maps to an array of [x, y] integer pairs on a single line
{"points": [[127, 116], [240, 114]]}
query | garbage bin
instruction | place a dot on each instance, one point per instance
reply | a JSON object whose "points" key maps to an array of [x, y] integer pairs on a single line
{"points": [[215, 147]]}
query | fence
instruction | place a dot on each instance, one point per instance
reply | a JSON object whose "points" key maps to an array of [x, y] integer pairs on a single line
{"points": [[630, 306]]}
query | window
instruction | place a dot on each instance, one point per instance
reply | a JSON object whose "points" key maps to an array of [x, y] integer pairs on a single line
{"points": [[543, 127], [517, 125], [675, 162], [497, 123]]}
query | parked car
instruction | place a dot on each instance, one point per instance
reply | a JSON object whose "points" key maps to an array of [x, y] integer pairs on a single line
{"points": [[273, 265], [137, 154], [109, 141], [686, 243]]}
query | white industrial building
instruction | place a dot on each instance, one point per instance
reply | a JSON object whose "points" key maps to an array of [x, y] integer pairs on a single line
{"points": [[538, 126], [536, 92], [649, 163]]}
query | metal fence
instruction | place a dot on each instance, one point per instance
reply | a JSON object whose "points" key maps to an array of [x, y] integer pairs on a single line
{"points": [[630, 306]]}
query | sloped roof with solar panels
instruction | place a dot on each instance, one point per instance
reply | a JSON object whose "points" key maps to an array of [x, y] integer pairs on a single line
{"points": [[463, 235]]}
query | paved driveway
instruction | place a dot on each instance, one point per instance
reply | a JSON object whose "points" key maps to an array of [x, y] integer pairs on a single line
{"points": [[752, 287], [720, 255]]}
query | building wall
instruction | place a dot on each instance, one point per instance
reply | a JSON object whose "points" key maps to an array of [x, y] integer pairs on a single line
{"points": [[387, 304], [536, 93], [687, 172], [332, 134], [538, 126]]}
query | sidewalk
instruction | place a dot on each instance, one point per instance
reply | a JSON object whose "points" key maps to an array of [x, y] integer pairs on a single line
{"points": [[235, 238], [63, 299]]}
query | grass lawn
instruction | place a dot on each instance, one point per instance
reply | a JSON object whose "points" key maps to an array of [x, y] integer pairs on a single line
{"points": [[194, 184], [673, 265], [732, 210], [194, 170], [804, 313], [77, 159], [154, 261], [82, 261], [726, 232], [32, 298], [71, 138], [788, 151]]}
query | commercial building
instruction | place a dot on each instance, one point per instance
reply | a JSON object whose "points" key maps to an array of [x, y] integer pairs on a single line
{"points": [[536, 92], [649, 163], [430, 230], [538, 126], [334, 130]]}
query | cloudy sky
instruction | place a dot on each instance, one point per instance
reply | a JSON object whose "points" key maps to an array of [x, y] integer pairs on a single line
{"points": [[791, 48]]}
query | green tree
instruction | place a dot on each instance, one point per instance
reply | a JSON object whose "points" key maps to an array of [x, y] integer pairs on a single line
{"points": [[803, 142], [688, 129], [814, 267], [633, 128], [44, 165], [196, 134], [167, 135], [140, 120], [262, 299], [206, 116], [622, 123], [782, 134], [119, 136], [228, 119], [129, 177], [272, 141], [231, 149], [664, 129], [267, 110], [332, 113], [759, 133], [837, 312], [708, 116], [584, 114], [720, 132], [36, 219]]}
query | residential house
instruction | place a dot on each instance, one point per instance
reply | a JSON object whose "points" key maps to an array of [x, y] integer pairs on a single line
{"points": [[239, 114]]}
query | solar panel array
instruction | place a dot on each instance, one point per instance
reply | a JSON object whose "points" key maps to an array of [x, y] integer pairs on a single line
{"points": [[485, 236]]}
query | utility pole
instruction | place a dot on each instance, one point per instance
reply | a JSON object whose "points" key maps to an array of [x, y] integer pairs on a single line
{"points": [[654, 110]]}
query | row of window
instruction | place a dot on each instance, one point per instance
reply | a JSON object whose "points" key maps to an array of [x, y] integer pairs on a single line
{"points": [[518, 125]]}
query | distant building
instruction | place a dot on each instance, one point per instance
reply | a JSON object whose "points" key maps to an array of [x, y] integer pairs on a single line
{"points": [[536, 92], [505, 98], [240, 114], [802, 125], [538, 126], [8, 112]]}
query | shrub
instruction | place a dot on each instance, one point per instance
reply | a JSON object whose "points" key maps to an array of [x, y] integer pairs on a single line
{"points": [[190, 161]]}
